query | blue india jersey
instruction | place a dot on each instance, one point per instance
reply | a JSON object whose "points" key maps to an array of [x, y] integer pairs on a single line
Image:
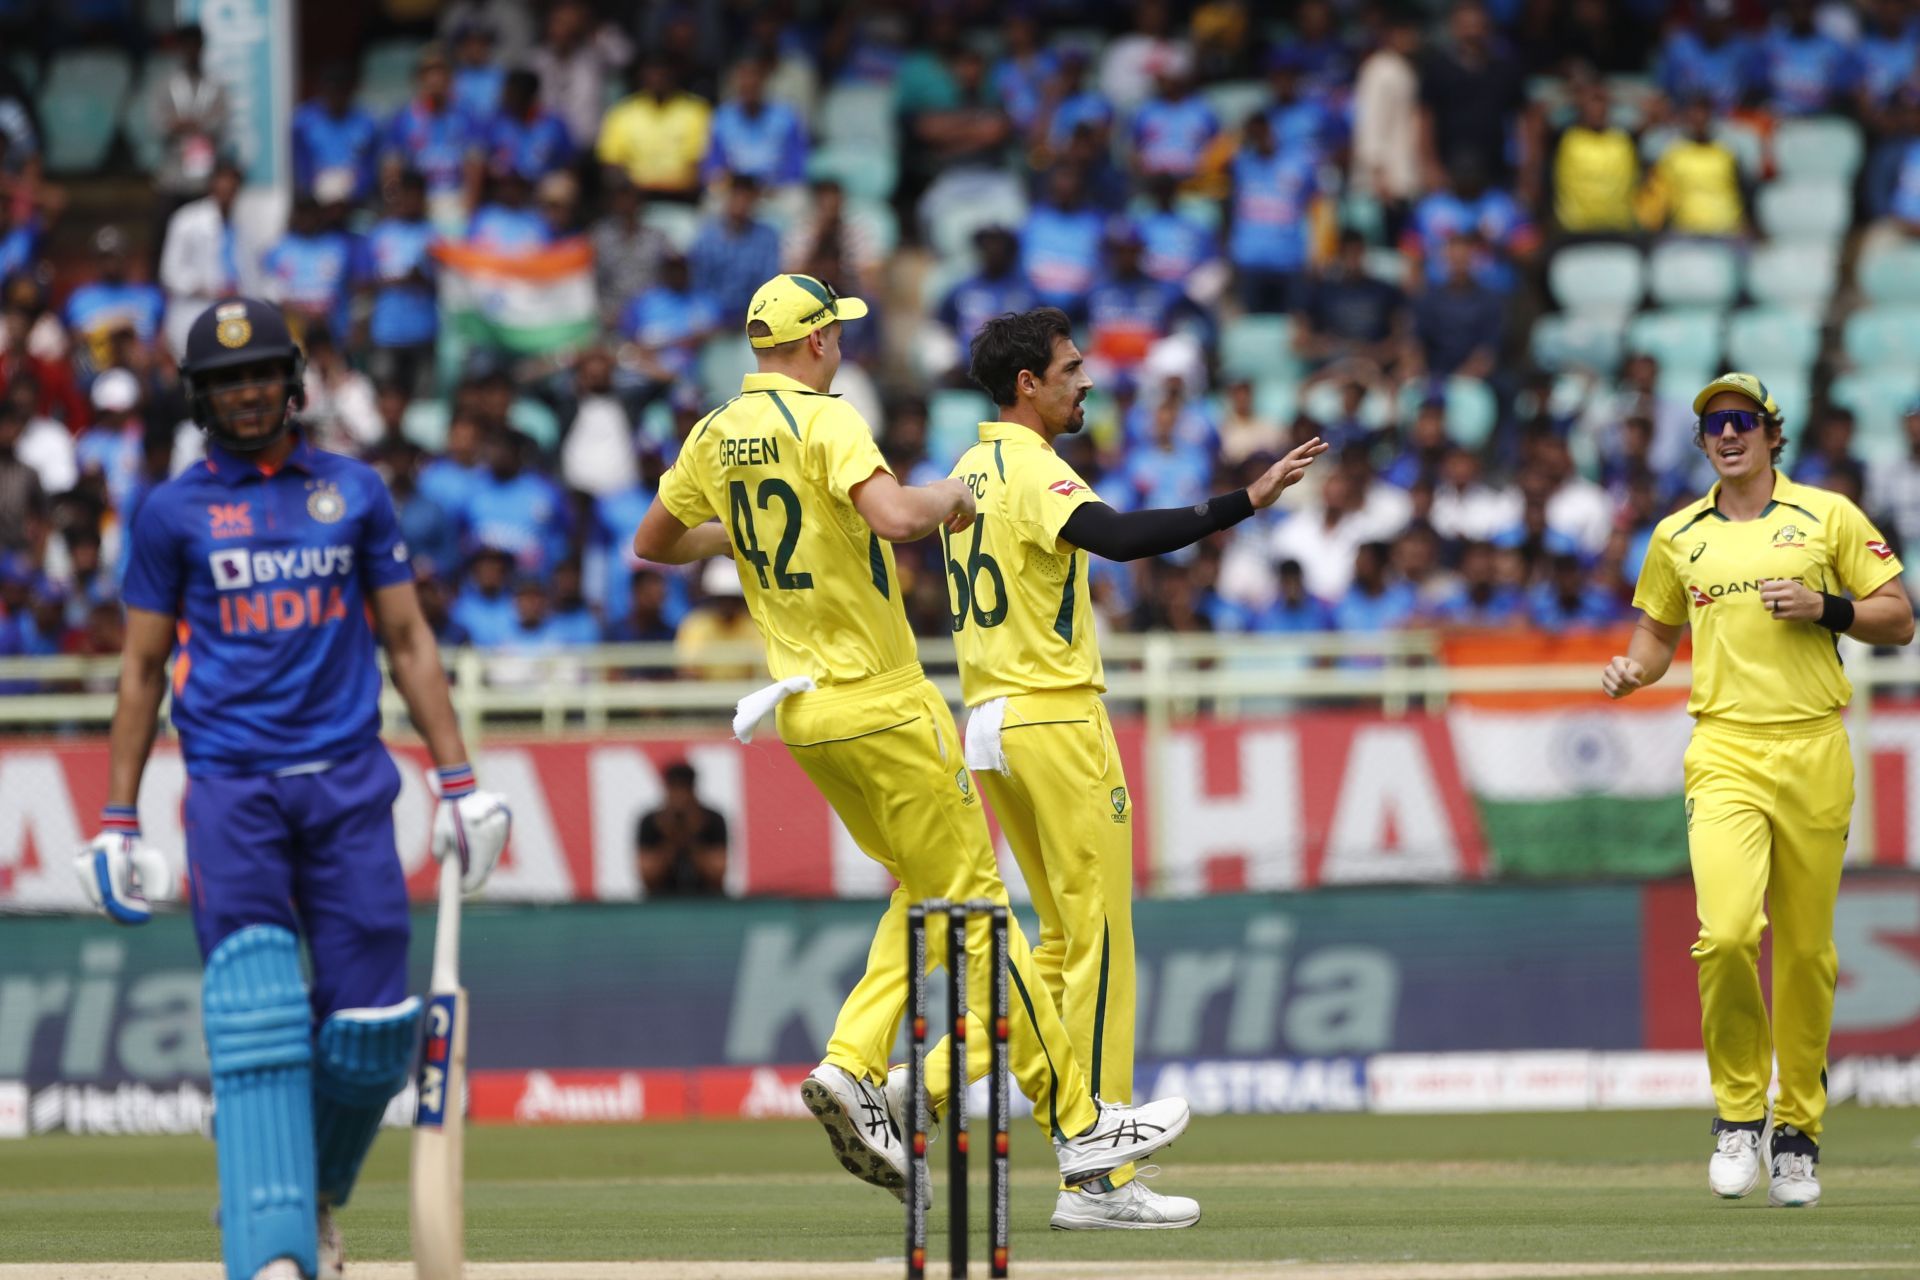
{"points": [[322, 144], [270, 577]]}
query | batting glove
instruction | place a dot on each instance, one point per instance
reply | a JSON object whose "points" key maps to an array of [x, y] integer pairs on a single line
{"points": [[470, 826], [119, 875]]}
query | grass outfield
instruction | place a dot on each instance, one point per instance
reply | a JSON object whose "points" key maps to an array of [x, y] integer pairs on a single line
{"points": [[1618, 1188]]}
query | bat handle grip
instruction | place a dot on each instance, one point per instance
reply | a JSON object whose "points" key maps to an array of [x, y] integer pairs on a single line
{"points": [[446, 932]]}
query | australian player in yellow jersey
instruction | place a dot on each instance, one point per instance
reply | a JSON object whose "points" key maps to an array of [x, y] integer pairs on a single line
{"points": [[786, 478], [1037, 736], [1769, 574]]}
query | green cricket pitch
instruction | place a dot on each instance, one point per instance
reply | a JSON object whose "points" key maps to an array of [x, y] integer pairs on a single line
{"points": [[1313, 1197]]}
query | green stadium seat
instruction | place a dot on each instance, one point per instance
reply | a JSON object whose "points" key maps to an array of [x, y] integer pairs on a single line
{"points": [[1360, 211], [1765, 338], [1794, 274], [386, 76], [859, 114], [1693, 273], [677, 222], [1597, 277], [1322, 403], [1878, 397], [1472, 411], [425, 424], [1562, 341], [137, 120], [537, 422], [1883, 337], [1810, 210], [955, 224], [1818, 148], [1890, 272], [878, 219], [1257, 346], [1387, 264], [724, 361], [865, 170], [953, 423], [1234, 100], [1687, 338], [1741, 138], [1277, 399], [1202, 209], [80, 103]]}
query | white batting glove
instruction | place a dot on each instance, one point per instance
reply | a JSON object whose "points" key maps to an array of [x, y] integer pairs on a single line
{"points": [[469, 826], [121, 876]]}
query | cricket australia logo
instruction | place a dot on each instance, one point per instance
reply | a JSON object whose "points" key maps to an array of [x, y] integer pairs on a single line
{"points": [[1118, 799], [964, 781], [1789, 535], [324, 502]]}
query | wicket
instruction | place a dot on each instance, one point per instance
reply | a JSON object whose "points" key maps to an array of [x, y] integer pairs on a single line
{"points": [[919, 1184]]}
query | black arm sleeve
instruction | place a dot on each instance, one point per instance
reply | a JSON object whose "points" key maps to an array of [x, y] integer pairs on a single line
{"points": [[1132, 535]]}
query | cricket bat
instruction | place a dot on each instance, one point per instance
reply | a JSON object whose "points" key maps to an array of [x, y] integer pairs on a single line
{"points": [[439, 1196]]}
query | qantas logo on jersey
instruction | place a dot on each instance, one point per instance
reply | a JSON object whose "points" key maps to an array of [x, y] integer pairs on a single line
{"points": [[1700, 598], [231, 519], [1880, 548], [1719, 589], [1065, 488]]}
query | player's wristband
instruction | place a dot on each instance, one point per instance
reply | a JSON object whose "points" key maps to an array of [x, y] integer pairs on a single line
{"points": [[1836, 612], [456, 781], [120, 820]]}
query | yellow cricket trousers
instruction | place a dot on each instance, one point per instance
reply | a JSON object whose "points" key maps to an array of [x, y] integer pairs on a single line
{"points": [[1767, 816], [885, 753]]}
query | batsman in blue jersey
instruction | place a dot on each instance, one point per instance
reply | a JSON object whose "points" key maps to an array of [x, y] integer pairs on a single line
{"points": [[267, 573]]}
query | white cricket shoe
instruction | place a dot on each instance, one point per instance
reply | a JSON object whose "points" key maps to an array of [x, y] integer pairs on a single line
{"points": [[1120, 1135], [1734, 1170], [280, 1269], [333, 1250], [856, 1119], [1134, 1207], [896, 1092], [1795, 1182]]}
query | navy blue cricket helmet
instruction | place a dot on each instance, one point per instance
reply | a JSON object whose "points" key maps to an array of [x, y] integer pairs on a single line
{"points": [[232, 333]]}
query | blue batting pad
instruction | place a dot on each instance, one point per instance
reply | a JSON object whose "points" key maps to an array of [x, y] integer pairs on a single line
{"points": [[259, 1037], [362, 1059]]}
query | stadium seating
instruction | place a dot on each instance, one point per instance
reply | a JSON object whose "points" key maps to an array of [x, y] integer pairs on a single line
{"points": [[1770, 338], [861, 170], [1256, 346], [425, 424], [954, 226], [141, 129], [1234, 100], [1276, 399], [80, 107], [724, 361], [1883, 337], [860, 115], [1681, 338], [877, 219], [1889, 272], [1818, 149], [1806, 210], [1878, 398], [1597, 277], [1693, 273], [1472, 410], [953, 423], [1566, 340], [1793, 274], [386, 76], [678, 222]]}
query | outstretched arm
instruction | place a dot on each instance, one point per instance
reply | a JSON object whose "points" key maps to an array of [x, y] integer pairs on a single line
{"points": [[1134, 535]]}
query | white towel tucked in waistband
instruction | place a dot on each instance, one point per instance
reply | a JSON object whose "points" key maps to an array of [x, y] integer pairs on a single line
{"points": [[752, 709], [984, 752]]}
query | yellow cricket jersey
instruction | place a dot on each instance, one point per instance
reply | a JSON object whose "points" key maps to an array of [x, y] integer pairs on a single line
{"points": [[1705, 569], [1018, 599], [1594, 174], [1702, 182], [777, 464]]}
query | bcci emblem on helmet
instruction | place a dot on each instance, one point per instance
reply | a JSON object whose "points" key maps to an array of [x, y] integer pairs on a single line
{"points": [[232, 329]]}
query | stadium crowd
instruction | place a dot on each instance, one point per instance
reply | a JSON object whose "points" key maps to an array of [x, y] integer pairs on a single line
{"points": [[1351, 225]]}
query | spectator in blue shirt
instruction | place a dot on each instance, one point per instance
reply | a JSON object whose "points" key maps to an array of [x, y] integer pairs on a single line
{"points": [[643, 617], [1171, 130], [1176, 245], [1348, 313], [1128, 311], [1804, 70], [1461, 323], [332, 136], [523, 138], [1569, 598], [665, 324], [999, 286], [734, 253], [507, 223], [1377, 600], [1718, 62], [113, 302], [397, 272], [1323, 59], [1293, 610], [1889, 51], [1302, 121], [19, 240], [1273, 194], [477, 78], [750, 135], [1502, 233], [1060, 243], [1069, 103], [1904, 207], [569, 620], [434, 137], [1022, 75], [449, 480], [1483, 600], [484, 608], [1165, 472], [309, 272], [518, 510]]}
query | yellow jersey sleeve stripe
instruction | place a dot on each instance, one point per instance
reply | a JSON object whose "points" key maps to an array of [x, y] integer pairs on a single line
{"points": [[877, 562], [1063, 620]]}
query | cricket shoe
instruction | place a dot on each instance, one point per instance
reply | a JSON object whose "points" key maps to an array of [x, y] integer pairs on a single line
{"points": [[855, 1116], [1794, 1161], [333, 1250], [1734, 1170], [1119, 1135], [1134, 1207], [897, 1107]]}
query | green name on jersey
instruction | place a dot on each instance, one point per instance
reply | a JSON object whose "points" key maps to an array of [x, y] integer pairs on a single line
{"points": [[750, 451]]}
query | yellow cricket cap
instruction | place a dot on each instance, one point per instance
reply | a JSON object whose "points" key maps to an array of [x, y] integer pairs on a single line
{"points": [[793, 306], [1742, 384]]}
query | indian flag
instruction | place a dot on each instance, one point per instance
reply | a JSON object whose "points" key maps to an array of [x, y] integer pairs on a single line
{"points": [[1577, 792], [530, 303]]}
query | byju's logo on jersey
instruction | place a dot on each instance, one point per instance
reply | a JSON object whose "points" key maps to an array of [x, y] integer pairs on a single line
{"points": [[232, 569], [230, 519], [237, 568]]}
